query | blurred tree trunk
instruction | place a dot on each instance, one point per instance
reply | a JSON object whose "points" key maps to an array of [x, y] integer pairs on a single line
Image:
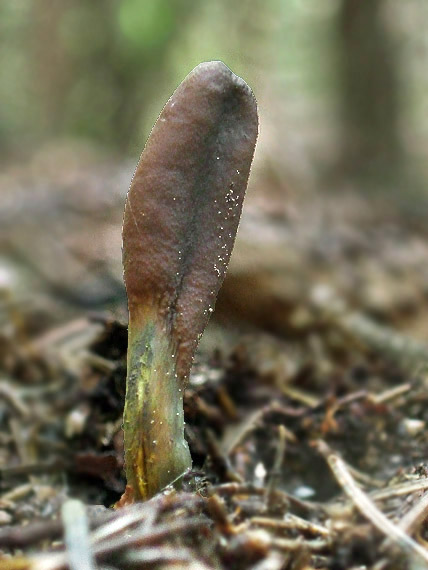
{"points": [[50, 65], [370, 92]]}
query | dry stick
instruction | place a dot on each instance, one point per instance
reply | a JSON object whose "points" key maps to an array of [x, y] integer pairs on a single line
{"points": [[108, 535], [144, 514], [220, 462], [13, 397], [365, 479], [390, 394], [76, 531], [159, 555], [248, 426], [218, 513], [407, 351], [152, 536], [398, 490], [237, 489], [415, 517], [290, 544], [111, 528], [408, 524], [25, 536], [367, 508], [276, 470], [251, 423], [137, 538], [380, 495], [397, 347], [291, 522]]}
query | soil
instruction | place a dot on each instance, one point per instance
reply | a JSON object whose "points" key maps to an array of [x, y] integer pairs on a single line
{"points": [[306, 409]]}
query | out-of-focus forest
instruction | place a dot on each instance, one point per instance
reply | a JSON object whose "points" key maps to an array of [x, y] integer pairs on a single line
{"points": [[317, 348], [342, 93], [341, 84]]}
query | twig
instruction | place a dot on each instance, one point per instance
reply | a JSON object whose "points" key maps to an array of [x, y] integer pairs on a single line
{"points": [[304, 398], [389, 394], [367, 508], [76, 529], [161, 555], [276, 470], [17, 492], [399, 490], [81, 330], [291, 522], [138, 538], [25, 536], [98, 362], [290, 544], [364, 478], [8, 393], [399, 348], [415, 517], [218, 513], [256, 419], [409, 524], [245, 489], [220, 462], [337, 510]]}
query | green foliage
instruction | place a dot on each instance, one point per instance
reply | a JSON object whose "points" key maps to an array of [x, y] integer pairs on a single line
{"points": [[97, 69], [146, 25]]}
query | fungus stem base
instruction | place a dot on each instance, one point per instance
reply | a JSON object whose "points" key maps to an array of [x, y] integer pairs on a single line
{"points": [[156, 453]]}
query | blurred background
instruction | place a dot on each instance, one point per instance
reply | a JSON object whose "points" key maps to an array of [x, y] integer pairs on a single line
{"points": [[330, 267], [342, 92]]}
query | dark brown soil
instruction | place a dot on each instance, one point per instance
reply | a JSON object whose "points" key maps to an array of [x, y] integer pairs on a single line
{"points": [[306, 410]]}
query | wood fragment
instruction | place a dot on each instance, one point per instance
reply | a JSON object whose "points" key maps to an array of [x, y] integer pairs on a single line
{"points": [[291, 522], [275, 473], [368, 509], [415, 517], [76, 536]]}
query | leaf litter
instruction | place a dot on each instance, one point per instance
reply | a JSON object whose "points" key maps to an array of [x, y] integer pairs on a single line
{"points": [[305, 414]]}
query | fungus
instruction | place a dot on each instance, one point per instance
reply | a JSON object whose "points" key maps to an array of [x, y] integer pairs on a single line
{"points": [[181, 217]]}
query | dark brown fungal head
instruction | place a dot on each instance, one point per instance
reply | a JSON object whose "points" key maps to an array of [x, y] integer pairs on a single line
{"points": [[181, 217]]}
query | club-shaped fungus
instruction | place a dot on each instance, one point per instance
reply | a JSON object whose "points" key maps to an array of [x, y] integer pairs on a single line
{"points": [[181, 217]]}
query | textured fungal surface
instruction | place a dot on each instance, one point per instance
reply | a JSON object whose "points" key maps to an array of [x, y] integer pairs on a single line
{"points": [[181, 218]]}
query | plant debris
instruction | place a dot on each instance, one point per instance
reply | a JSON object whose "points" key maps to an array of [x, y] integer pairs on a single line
{"points": [[307, 429]]}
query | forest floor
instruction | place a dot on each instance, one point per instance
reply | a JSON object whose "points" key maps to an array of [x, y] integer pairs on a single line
{"points": [[307, 407]]}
